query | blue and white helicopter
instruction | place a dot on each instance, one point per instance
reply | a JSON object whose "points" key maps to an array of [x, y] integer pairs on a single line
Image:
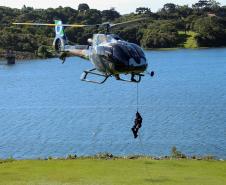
{"points": [[109, 54]]}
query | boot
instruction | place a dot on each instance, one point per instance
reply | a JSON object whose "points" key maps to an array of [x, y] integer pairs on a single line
{"points": [[134, 132]]}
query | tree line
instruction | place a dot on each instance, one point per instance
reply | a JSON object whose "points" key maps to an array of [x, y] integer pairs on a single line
{"points": [[166, 28]]}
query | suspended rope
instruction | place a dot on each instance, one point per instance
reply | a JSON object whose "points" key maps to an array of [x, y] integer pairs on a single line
{"points": [[138, 124], [138, 119], [137, 97]]}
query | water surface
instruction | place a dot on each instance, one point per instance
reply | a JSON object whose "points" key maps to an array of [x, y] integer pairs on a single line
{"points": [[45, 110]]}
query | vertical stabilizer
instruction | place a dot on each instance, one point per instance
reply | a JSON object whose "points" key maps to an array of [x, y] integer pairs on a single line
{"points": [[60, 39], [59, 30]]}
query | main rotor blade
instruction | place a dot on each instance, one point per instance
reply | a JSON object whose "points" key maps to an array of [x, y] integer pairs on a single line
{"points": [[82, 25], [53, 25], [127, 22]]}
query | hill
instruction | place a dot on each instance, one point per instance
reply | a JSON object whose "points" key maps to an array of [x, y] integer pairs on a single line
{"points": [[202, 25]]}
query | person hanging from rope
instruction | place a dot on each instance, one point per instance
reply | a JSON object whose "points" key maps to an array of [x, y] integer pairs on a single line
{"points": [[137, 124]]}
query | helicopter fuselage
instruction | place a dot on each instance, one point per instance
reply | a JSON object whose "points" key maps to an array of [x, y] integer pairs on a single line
{"points": [[111, 55]]}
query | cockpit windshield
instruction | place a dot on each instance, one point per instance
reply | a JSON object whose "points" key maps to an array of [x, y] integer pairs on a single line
{"points": [[102, 39]]}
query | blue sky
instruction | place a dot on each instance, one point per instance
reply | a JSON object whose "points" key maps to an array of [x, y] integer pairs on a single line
{"points": [[123, 6]]}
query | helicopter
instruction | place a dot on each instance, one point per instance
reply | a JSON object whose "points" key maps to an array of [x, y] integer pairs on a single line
{"points": [[109, 54]]}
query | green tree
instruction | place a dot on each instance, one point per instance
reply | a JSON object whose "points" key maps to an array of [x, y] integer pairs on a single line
{"points": [[92, 16], [110, 15], [211, 31], [184, 11], [201, 4], [169, 8], [83, 7], [161, 34], [143, 10]]}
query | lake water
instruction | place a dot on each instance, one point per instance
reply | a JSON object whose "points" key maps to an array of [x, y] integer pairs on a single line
{"points": [[45, 110]]}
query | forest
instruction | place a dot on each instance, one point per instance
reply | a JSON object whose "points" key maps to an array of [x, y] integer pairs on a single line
{"points": [[173, 26]]}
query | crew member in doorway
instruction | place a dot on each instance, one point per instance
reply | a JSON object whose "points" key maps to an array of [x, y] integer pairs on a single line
{"points": [[137, 125]]}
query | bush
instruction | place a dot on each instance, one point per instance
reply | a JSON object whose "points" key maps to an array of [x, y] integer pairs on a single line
{"points": [[177, 154], [104, 156], [11, 159], [43, 52], [71, 156], [209, 157]]}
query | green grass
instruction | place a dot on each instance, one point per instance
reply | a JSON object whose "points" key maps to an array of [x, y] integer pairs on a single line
{"points": [[188, 40], [113, 172]]}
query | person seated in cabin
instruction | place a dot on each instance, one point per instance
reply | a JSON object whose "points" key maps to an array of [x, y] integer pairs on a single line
{"points": [[137, 124]]}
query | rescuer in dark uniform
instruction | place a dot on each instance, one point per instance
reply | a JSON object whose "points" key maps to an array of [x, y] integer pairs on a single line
{"points": [[137, 125]]}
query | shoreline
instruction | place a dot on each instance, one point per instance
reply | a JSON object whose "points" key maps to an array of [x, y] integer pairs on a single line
{"points": [[109, 156], [21, 56]]}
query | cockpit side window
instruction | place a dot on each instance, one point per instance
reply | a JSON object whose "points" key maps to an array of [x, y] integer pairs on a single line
{"points": [[120, 54], [140, 51], [101, 39]]}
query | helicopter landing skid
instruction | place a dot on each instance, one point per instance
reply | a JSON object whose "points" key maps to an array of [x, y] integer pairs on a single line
{"points": [[133, 79], [92, 72]]}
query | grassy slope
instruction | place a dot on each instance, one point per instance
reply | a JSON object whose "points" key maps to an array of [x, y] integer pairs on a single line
{"points": [[113, 172], [188, 39], [185, 41]]}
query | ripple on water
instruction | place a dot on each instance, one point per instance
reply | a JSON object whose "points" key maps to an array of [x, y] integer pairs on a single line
{"points": [[46, 111]]}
